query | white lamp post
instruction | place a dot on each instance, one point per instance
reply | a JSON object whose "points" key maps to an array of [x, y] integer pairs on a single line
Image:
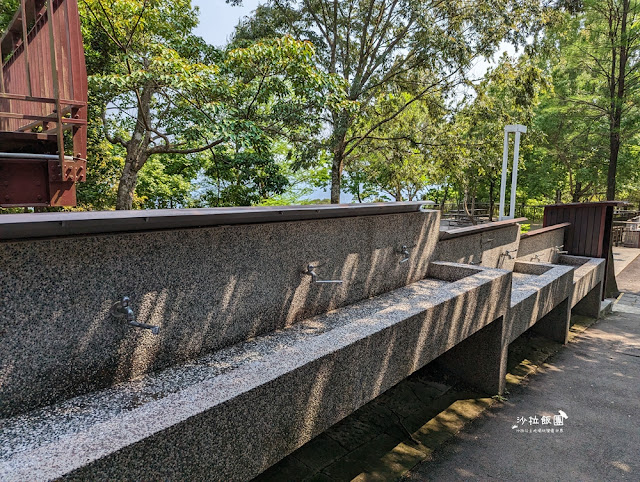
{"points": [[517, 129]]}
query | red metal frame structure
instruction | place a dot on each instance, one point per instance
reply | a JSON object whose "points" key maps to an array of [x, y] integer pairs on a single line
{"points": [[43, 94]]}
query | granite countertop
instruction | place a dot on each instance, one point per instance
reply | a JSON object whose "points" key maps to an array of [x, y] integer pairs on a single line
{"points": [[26, 432]]}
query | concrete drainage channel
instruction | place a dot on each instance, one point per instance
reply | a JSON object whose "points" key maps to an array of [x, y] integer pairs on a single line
{"points": [[230, 352]]}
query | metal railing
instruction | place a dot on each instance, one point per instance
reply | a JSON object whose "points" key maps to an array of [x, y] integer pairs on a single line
{"points": [[43, 80], [456, 213], [626, 234]]}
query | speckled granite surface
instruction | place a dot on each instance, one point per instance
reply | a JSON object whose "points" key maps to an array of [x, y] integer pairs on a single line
{"points": [[238, 411], [541, 247], [536, 291], [486, 249], [206, 288], [238, 395], [588, 278]]}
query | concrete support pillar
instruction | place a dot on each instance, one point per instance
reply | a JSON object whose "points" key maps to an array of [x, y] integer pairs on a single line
{"points": [[481, 359], [590, 304], [555, 324]]}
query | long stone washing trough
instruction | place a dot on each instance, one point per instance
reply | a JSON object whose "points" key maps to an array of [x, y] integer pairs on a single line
{"points": [[248, 331]]}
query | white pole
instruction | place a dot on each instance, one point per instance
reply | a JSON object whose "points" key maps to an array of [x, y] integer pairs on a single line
{"points": [[514, 177], [503, 184]]}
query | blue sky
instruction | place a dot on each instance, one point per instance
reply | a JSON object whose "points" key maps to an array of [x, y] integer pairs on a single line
{"points": [[217, 19]]}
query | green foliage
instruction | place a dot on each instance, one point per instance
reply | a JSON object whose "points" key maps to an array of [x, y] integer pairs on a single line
{"points": [[242, 178], [165, 184], [421, 48], [399, 159], [472, 157], [104, 162], [8, 9], [587, 123], [373, 98], [168, 93]]}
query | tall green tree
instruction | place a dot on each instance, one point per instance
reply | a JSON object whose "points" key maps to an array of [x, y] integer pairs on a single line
{"points": [[507, 95], [374, 44], [168, 93], [569, 160], [399, 160], [605, 45]]}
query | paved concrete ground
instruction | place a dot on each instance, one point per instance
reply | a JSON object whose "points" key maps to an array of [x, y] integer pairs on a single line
{"points": [[431, 427], [622, 257], [595, 382], [629, 278]]}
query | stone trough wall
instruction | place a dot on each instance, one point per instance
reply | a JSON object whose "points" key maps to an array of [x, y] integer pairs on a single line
{"points": [[206, 288], [231, 424], [484, 245], [252, 359], [543, 244]]}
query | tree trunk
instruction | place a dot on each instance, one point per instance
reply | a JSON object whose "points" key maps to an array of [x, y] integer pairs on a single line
{"points": [[444, 197], [127, 186], [137, 152], [474, 221], [336, 176], [577, 192], [614, 149], [339, 147], [617, 99], [398, 194], [465, 204]]}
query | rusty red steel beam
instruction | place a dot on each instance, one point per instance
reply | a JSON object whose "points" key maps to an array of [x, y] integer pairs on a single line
{"points": [[64, 59], [43, 82], [44, 100], [42, 118], [25, 42]]}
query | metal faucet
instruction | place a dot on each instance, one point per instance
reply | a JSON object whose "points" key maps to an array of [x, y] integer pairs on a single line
{"points": [[311, 271], [404, 251], [121, 309], [508, 252], [558, 249], [536, 257]]}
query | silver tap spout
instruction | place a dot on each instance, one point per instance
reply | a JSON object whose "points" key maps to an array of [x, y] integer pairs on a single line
{"points": [[559, 250], [404, 251], [122, 310], [508, 252], [311, 271], [154, 329]]}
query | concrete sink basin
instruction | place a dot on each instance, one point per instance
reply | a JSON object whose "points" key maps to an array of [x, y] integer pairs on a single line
{"points": [[588, 275], [526, 272], [540, 293], [268, 395]]}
